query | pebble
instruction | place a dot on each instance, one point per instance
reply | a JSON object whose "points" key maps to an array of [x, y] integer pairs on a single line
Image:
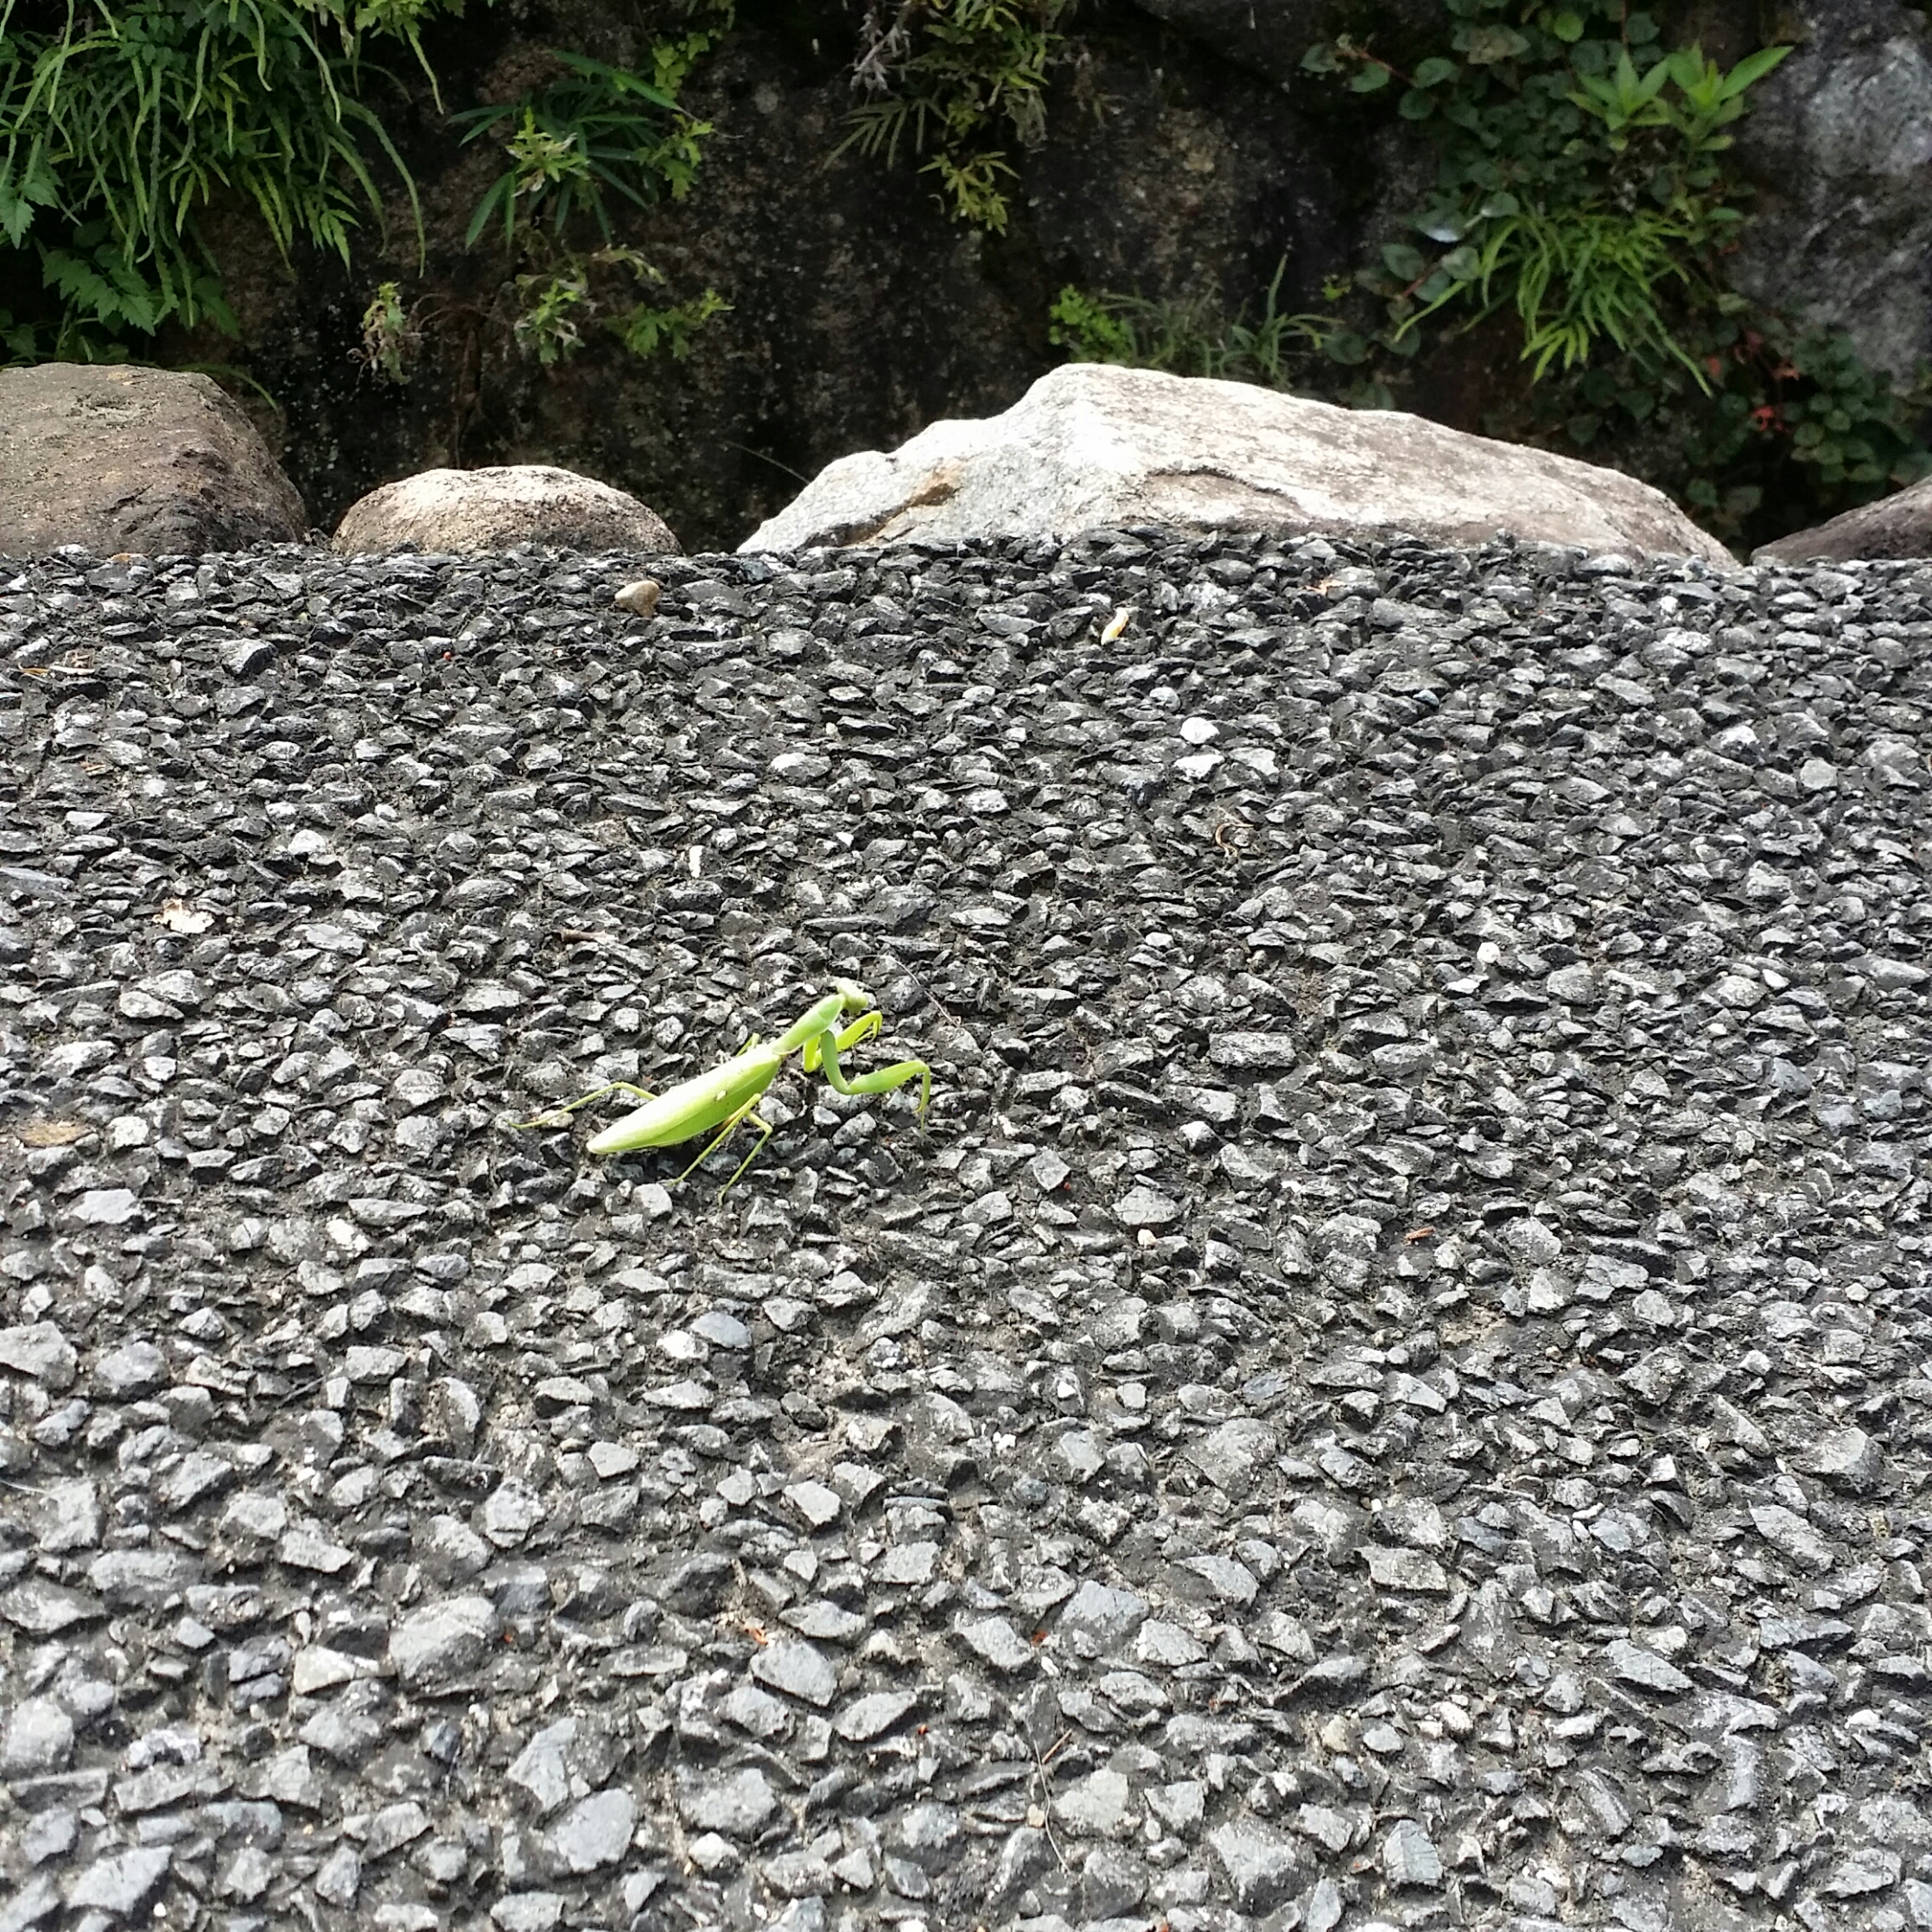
{"points": [[996, 1642], [1262, 1865], [440, 1641], [1632, 1663], [1409, 1856], [595, 1830], [40, 1352], [798, 1667], [873, 1715], [120, 1882], [735, 1806]]}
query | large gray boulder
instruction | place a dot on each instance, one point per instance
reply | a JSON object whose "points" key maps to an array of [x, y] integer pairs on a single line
{"points": [[463, 511], [1894, 526], [1091, 444], [149, 460], [1839, 141]]}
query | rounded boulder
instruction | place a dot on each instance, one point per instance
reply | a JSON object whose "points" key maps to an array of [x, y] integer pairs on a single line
{"points": [[153, 461], [461, 511]]}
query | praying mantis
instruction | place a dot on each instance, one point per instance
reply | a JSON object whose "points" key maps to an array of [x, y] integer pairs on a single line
{"points": [[728, 1095]]}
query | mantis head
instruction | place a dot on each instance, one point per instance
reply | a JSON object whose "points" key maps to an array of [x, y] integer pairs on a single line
{"points": [[857, 1000]]}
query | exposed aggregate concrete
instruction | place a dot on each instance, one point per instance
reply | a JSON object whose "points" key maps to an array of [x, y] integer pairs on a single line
{"points": [[1393, 1390]]}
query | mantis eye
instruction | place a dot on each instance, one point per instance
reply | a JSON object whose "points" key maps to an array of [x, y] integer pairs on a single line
{"points": [[854, 996]]}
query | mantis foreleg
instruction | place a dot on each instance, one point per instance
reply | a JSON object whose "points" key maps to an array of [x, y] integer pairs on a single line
{"points": [[885, 1080], [861, 1030]]}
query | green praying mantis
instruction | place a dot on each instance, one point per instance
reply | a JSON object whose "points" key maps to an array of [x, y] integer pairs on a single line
{"points": [[728, 1096]]}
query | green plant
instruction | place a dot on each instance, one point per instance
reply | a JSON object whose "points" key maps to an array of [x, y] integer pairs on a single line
{"points": [[950, 75], [1193, 338], [546, 323], [1584, 184], [643, 329], [1574, 186], [121, 124], [553, 305], [1788, 427], [599, 131], [390, 336]]}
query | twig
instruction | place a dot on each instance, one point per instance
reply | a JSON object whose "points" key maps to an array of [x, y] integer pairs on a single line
{"points": [[763, 458], [1046, 1808]]}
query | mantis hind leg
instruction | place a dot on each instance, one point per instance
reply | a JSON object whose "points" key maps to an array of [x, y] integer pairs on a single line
{"points": [[553, 1115], [885, 1080], [747, 1112]]}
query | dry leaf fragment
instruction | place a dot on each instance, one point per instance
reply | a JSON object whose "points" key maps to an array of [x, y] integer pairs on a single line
{"points": [[51, 1133], [178, 916]]}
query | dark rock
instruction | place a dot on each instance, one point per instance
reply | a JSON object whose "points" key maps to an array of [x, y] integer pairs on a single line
{"points": [[1896, 525], [114, 458], [1842, 225]]}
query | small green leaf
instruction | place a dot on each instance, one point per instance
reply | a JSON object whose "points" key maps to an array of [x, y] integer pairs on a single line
{"points": [[1753, 68], [1485, 45], [1462, 262], [1403, 262], [1441, 225], [1434, 71], [1415, 105], [1495, 206], [1568, 27], [1370, 79], [1320, 59], [1346, 346]]}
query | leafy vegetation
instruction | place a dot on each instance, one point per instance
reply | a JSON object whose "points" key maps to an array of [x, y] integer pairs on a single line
{"points": [[120, 125], [1584, 187], [391, 337], [1191, 337], [598, 134], [1575, 186], [124, 121], [960, 78]]}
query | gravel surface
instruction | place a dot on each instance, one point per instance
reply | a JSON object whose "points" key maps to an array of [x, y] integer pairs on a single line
{"points": [[1392, 1391]]}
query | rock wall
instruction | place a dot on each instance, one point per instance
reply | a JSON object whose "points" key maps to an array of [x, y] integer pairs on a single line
{"points": [[1181, 154], [1841, 148]]}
